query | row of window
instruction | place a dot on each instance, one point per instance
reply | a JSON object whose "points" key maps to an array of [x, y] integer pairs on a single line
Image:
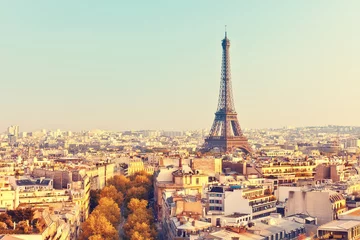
{"points": [[215, 208], [215, 201], [215, 195]]}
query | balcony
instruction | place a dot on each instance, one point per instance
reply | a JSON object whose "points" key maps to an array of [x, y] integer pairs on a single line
{"points": [[263, 211], [263, 203], [257, 197]]}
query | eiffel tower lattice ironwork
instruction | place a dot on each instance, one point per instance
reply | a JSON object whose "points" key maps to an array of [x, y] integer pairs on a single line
{"points": [[225, 132]]}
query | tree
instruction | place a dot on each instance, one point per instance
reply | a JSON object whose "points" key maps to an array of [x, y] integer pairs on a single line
{"points": [[143, 173], [3, 226], [136, 236], [141, 180], [4, 217], [136, 192], [110, 210], [120, 182], [23, 226], [21, 214], [138, 216], [136, 204], [98, 225], [143, 229], [111, 192], [94, 199], [40, 224], [96, 237]]}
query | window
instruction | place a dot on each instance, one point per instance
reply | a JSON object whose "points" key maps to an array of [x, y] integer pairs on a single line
{"points": [[197, 181]]}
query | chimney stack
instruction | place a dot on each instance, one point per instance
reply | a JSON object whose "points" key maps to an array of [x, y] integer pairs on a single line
{"points": [[161, 162]]}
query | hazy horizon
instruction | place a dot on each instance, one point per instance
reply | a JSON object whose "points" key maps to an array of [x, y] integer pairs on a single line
{"points": [[156, 65], [169, 130]]}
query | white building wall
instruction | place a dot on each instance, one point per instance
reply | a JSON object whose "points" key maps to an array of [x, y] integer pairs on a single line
{"points": [[234, 202], [315, 204], [282, 193]]}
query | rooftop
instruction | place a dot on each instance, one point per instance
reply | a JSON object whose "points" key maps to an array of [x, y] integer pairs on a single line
{"points": [[225, 234], [217, 189], [339, 225], [353, 212], [29, 182], [236, 215]]}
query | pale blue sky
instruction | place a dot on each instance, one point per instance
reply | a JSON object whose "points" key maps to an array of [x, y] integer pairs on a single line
{"points": [[121, 65]]}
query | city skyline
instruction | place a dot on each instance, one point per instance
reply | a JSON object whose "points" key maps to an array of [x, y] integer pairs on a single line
{"points": [[77, 70]]}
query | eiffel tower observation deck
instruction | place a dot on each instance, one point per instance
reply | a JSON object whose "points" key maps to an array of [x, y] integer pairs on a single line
{"points": [[225, 132]]}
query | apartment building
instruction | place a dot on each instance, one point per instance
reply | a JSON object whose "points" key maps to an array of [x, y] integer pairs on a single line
{"points": [[249, 203], [192, 182], [7, 194], [137, 165]]}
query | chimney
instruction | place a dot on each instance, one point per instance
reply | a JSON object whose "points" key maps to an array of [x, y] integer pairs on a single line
{"points": [[161, 162]]}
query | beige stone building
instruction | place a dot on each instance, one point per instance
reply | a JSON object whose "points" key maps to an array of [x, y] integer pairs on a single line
{"points": [[192, 182], [138, 165], [210, 166], [7, 194]]}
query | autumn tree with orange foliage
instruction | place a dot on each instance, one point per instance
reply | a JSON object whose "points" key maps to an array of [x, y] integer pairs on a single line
{"points": [[120, 182], [97, 226], [141, 181], [140, 221], [96, 237], [136, 192], [137, 236], [109, 209], [136, 203], [112, 192]]}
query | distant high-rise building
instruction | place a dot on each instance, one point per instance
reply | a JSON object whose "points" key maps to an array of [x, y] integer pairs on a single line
{"points": [[13, 130], [225, 132]]}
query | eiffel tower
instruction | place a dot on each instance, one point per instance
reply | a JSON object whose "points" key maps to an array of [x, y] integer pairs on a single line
{"points": [[225, 132]]}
